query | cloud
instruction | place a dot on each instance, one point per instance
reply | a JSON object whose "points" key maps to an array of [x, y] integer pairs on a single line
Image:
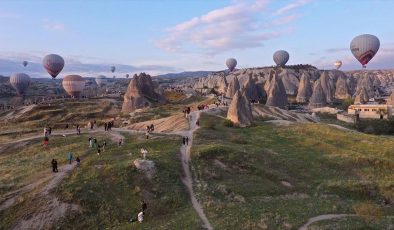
{"points": [[54, 26], [336, 50], [238, 26], [8, 15], [291, 6]]}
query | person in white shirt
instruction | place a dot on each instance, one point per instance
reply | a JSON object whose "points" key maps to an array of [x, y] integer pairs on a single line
{"points": [[141, 216]]}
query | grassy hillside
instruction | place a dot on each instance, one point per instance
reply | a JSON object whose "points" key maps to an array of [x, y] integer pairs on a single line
{"points": [[109, 189], [269, 177]]}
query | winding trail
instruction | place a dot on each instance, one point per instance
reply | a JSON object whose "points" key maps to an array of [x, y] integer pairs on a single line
{"points": [[188, 179], [323, 217], [54, 210]]}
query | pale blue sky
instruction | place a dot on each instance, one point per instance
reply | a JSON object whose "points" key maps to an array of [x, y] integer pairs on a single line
{"points": [[161, 36]]}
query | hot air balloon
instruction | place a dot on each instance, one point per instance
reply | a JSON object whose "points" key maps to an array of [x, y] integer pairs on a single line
{"points": [[364, 47], [231, 64], [20, 82], [113, 69], [53, 64], [73, 84], [24, 63], [127, 75], [281, 57], [101, 80], [338, 64]]}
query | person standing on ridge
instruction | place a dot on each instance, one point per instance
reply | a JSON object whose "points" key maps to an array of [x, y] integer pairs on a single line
{"points": [[187, 140], [69, 157]]}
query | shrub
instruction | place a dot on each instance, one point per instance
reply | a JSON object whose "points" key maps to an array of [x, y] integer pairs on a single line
{"points": [[211, 151], [228, 123]]}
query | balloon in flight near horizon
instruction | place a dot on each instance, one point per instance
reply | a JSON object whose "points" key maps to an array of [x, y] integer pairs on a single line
{"points": [[231, 63], [73, 85], [364, 47], [127, 75], [113, 69], [53, 64], [281, 57], [20, 82], [101, 80], [24, 63], [338, 64]]}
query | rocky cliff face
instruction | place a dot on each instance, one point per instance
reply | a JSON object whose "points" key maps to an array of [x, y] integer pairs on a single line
{"points": [[277, 93], [240, 109], [362, 97], [233, 87], [304, 89], [318, 98], [336, 85], [142, 92]]}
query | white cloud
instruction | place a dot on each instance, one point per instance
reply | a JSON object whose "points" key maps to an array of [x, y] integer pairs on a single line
{"points": [[54, 26], [238, 26], [291, 6], [8, 15]]}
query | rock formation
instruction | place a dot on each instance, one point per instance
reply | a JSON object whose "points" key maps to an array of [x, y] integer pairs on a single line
{"points": [[222, 85], [390, 100], [304, 89], [251, 89], [290, 81], [142, 92], [240, 110], [328, 86], [318, 98], [342, 90], [362, 97], [232, 88], [277, 94]]}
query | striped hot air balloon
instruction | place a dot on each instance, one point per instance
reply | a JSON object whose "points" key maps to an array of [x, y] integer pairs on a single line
{"points": [[74, 85], [281, 57], [364, 47], [20, 82]]}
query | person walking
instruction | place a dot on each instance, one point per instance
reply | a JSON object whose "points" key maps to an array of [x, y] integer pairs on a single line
{"points": [[105, 126], [69, 157], [78, 161], [98, 150], [141, 216], [90, 142], [183, 140], [53, 163], [94, 143], [144, 154], [143, 205], [104, 145], [187, 140], [120, 143]]}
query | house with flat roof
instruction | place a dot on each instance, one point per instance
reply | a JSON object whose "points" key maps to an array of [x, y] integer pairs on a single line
{"points": [[372, 111]]}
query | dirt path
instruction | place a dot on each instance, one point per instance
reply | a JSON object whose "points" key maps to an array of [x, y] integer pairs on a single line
{"points": [[53, 210], [324, 217], [188, 180]]}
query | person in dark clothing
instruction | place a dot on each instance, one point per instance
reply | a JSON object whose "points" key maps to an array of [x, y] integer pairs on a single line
{"points": [[198, 122], [143, 205], [78, 161], [98, 150], [152, 128], [183, 140], [94, 142], [105, 126], [66, 126], [187, 140], [49, 131], [104, 145], [54, 166]]}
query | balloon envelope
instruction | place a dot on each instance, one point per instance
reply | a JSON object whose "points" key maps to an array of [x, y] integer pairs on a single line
{"points": [[24, 63], [113, 69], [20, 82], [338, 64], [53, 64], [231, 63], [127, 75], [74, 85], [101, 80], [281, 57], [364, 47]]}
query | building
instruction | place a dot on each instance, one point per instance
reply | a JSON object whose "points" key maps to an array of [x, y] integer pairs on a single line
{"points": [[372, 111]]}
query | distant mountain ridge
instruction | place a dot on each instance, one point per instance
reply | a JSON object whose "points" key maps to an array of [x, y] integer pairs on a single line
{"points": [[193, 74]]}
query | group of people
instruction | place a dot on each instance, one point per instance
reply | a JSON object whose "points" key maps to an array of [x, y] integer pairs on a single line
{"points": [[47, 131], [150, 128], [144, 152], [186, 112], [69, 159], [91, 124], [108, 125], [93, 143], [185, 140], [202, 107]]}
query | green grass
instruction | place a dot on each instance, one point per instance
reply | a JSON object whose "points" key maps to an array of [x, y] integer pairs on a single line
{"points": [[109, 189], [25, 162], [330, 171]]}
